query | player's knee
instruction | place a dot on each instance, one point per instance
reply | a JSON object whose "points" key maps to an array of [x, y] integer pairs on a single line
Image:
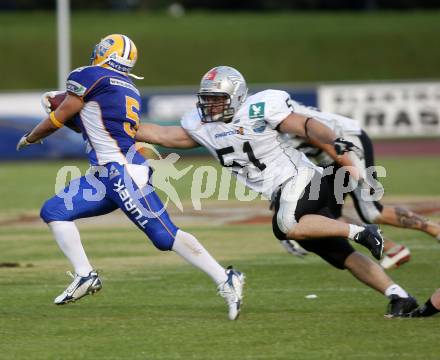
{"points": [[283, 224], [286, 221], [355, 260], [52, 210], [296, 233], [162, 239], [342, 259]]}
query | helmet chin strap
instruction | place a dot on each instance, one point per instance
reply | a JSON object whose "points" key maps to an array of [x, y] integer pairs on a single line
{"points": [[136, 77]]}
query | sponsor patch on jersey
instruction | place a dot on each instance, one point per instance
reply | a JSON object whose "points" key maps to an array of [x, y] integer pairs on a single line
{"points": [[259, 126], [76, 88], [256, 111], [119, 82], [238, 131]]}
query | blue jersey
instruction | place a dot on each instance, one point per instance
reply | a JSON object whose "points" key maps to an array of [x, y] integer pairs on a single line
{"points": [[110, 116]]}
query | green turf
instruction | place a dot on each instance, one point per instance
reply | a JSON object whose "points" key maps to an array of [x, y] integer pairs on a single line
{"points": [[153, 306], [410, 175], [300, 47]]}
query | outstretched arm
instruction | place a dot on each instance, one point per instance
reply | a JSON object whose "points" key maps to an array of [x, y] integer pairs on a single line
{"points": [[70, 106], [307, 127], [314, 130], [167, 136]]}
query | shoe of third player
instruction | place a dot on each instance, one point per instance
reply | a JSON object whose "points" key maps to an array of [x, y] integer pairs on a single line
{"points": [[80, 287], [232, 291], [372, 239], [396, 256], [292, 247], [400, 307]]}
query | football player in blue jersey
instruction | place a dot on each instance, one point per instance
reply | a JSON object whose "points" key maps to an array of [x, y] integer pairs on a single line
{"points": [[104, 104]]}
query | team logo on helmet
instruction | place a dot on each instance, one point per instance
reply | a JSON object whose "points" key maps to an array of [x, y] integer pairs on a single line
{"points": [[222, 91], [116, 51], [104, 45], [211, 75]]}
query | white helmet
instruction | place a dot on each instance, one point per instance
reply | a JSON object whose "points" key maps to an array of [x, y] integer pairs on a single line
{"points": [[221, 86]]}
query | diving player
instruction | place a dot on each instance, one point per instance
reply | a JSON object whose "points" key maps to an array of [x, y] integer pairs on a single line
{"points": [[105, 105], [371, 212], [243, 134]]}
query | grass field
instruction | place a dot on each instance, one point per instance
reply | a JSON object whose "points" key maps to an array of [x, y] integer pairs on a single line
{"points": [[153, 306], [300, 47]]}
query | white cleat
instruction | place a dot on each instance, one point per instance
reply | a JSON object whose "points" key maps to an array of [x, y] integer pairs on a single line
{"points": [[80, 287], [292, 247], [396, 256], [232, 291]]}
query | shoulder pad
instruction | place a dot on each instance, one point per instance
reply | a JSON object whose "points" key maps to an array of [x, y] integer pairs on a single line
{"points": [[81, 79], [191, 120]]}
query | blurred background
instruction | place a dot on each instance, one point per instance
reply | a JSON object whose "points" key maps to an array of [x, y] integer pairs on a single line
{"points": [[374, 60]]}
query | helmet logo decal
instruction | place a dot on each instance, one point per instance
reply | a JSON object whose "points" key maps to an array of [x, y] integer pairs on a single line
{"points": [[229, 86], [211, 75], [104, 46]]}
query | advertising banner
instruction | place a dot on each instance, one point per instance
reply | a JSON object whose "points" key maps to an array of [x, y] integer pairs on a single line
{"points": [[387, 110]]}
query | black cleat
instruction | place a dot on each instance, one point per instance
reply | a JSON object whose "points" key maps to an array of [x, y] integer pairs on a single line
{"points": [[423, 311], [416, 313], [400, 307], [372, 239]]}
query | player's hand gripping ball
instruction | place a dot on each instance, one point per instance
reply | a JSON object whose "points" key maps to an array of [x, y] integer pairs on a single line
{"points": [[51, 100]]}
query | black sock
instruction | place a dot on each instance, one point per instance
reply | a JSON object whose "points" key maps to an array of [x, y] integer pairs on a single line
{"points": [[428, 309]]}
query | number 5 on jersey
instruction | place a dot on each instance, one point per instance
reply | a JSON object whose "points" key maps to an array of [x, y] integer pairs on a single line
{"points": [[132, 113]]}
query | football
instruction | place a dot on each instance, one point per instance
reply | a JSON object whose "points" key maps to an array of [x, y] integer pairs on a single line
{"points": [[56, 100]]}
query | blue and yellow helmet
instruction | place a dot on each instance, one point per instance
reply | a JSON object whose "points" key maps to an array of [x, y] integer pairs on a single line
{"points": [[115, 51]]}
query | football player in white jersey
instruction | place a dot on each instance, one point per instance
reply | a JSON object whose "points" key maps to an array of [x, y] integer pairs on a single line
{"points": [[244, 134], [369, 211]]}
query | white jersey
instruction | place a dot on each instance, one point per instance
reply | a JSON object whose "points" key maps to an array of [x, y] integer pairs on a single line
{"points": [[250, 145], [342, 126]]}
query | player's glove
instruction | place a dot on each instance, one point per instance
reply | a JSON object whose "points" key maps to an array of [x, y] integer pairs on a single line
{"points": [[292, 247], [45, 100], [23, 142], [342, 146]]}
